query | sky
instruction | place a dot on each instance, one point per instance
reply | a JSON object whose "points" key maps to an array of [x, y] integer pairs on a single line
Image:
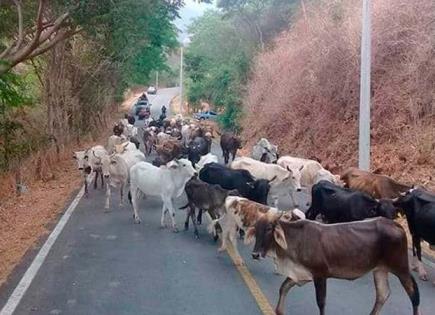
{"points": [[190, 11]]}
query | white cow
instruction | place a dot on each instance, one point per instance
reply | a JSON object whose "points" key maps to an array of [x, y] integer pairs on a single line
{"points": [[283, 182], [310, 171], [265, 151], [116, 171], [206, 159], [114, 140], [167, 182], [89, 161], [130, 131]]}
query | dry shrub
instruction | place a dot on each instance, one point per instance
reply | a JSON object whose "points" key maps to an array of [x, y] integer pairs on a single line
{"points": [[304, 91]]}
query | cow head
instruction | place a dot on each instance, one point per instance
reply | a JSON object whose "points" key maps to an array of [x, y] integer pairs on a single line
{"points": [[268, 233], [106, 162], [386, 209], [81, 157], [182, 166], [406, 202], [293, 179], [283, 216]]}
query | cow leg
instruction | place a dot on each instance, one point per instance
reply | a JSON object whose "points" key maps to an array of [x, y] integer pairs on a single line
{"points": [[320, 286], [223, 222], [95, 180], [108, 193], [234, 153], [283, 290], [422, 274], [382, 290], [199, 218], [411, 288], [233, 239], [186, 222], [195, 227], [102, 179], [121, 202], [86, 188], [133, 193], [226, 156], [170, 207]]}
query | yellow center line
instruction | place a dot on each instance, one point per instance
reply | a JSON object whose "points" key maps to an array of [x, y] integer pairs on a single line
{"points": [[260, 298]]}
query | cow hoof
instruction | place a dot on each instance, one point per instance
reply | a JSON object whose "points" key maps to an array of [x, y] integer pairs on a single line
{"points": [[186, 226], [221, 249], [423, 276], [137, 221], [107, 210], [197, 236]]}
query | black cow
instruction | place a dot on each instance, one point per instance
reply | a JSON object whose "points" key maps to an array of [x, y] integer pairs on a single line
{"points": [[242, 180], [419, 208], [338, 204], [204, 196], [230, 143], [198, 147]]}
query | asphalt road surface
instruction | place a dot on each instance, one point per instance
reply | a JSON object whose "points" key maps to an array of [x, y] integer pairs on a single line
{"points": [[102, 263]]}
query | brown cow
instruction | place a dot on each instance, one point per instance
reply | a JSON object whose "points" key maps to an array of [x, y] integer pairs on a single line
{"points": [[377, 186], [310, 251], [230, 143], [169, 150]]}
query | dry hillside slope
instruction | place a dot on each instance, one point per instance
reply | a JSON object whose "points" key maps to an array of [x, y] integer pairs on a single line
{"points": [[304, 91]]}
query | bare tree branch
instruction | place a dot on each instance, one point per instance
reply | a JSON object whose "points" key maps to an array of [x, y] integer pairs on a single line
{"points": [[20, 24], [58, 38]]}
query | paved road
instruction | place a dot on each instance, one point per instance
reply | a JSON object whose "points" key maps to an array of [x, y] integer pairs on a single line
{"points": [[104, 264]]}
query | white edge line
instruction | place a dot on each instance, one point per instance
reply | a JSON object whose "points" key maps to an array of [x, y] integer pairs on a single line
{"points": [[37, 262]]}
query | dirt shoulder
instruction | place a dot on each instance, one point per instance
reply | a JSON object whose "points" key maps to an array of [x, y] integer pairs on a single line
{"points": [[26, 219]]}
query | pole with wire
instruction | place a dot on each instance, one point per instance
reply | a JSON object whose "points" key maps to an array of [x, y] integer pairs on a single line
{"points": [[364, 104]]}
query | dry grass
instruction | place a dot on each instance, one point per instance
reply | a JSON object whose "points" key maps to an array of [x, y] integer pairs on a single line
{"points": [[304, 91]]}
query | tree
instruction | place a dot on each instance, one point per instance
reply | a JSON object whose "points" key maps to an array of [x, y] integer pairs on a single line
{"points": [[41, 25]]}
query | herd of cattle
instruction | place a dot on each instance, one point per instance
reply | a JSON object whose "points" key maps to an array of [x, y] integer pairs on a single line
{"points": [[358, 233]]}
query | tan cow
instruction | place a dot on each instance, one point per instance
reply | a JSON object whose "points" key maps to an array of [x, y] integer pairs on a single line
{"points": [[378, 186]]}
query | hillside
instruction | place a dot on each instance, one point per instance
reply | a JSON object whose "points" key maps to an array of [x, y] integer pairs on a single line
{"points": [[303, 93]]}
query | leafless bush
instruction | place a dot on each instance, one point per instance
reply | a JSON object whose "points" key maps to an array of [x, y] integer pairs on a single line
{"points": [[304, 92]]}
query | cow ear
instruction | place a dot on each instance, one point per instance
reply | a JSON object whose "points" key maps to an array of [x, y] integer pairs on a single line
{"points": [[172, 164], [279, 236], [250, 236], [74, 156]]}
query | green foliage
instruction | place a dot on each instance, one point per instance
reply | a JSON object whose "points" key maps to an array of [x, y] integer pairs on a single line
{"points": [[223, 45], [217, 64], [11, 97]]}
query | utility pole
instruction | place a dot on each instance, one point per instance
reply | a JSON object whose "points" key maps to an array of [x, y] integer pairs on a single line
{"points": [[181, 79], [364, 101], [157, 80]]}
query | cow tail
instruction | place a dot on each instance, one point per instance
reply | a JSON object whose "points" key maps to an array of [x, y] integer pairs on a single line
{"points": [[184, 207], [415, 296]]}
